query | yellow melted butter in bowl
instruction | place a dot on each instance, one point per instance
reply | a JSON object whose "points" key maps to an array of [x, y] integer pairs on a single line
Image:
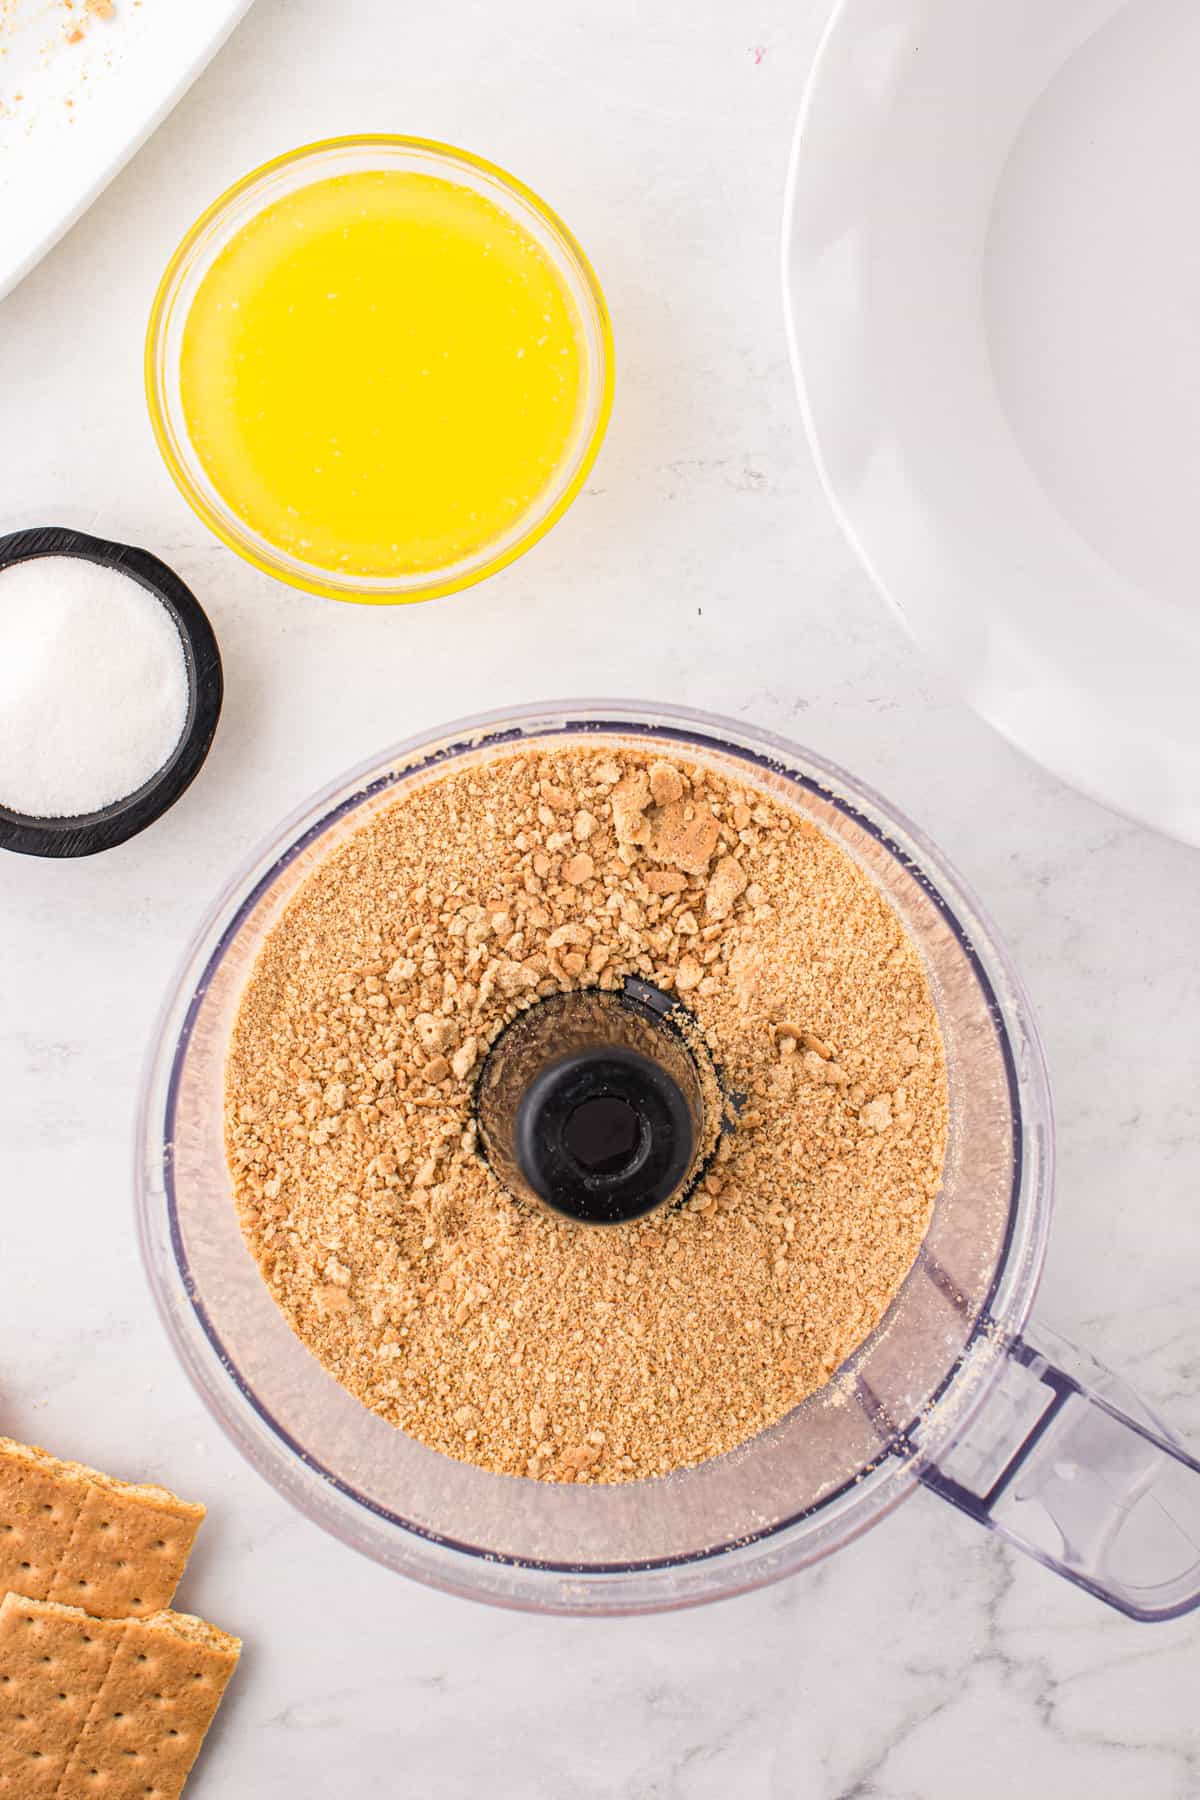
{"points": [[383, 373]]}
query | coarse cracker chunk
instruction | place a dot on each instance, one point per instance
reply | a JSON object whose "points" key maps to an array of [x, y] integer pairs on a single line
{"points": [[117, 1707], [117, 1549]]}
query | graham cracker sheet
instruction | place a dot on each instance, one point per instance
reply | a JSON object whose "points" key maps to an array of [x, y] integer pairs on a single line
{"points": [[68, 1533], [112, 1707]]}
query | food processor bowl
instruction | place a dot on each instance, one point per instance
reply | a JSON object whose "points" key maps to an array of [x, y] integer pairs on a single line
{"points": [[953, 1391]]}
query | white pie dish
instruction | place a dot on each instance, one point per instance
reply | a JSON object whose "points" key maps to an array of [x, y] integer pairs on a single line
{"points": [[988, 270]]}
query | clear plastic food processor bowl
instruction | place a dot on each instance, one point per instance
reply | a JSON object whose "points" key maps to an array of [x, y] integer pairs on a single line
{"points": [[954, 1391]]}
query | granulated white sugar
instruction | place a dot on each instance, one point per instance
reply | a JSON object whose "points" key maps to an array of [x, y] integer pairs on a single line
{"points": [[93, 686]]}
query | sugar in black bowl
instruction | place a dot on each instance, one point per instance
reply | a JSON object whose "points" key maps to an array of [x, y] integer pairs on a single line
{"points": [[110, 691]]}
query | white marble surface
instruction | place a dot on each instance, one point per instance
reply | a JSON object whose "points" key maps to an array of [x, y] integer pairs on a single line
{"points": [[701, 565]]}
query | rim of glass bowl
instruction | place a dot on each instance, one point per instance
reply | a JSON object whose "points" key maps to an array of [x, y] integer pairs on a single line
{"points": [[209, 235], [719, 1570]]}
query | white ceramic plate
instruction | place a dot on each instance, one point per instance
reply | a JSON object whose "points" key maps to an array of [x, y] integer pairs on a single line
{"points": [[78, 94], [992, 277]]}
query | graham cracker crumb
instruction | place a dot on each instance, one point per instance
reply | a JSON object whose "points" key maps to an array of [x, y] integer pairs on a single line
{"points": [[489, 1329]]}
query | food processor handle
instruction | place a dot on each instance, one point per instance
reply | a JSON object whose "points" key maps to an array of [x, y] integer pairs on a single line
{"points": [[1068, 1464]]}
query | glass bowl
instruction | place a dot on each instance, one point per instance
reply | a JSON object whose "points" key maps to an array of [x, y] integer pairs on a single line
{"points": [[949, 1391], [284, 175]]}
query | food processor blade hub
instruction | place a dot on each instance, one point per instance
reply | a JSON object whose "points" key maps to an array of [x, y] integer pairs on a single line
{"points": [[595, 1104]]}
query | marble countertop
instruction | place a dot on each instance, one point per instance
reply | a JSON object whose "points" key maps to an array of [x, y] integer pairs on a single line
{"points": [[701, 565]]}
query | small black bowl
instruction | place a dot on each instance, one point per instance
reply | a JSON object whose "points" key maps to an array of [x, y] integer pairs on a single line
{"points": [[86, 833]]}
